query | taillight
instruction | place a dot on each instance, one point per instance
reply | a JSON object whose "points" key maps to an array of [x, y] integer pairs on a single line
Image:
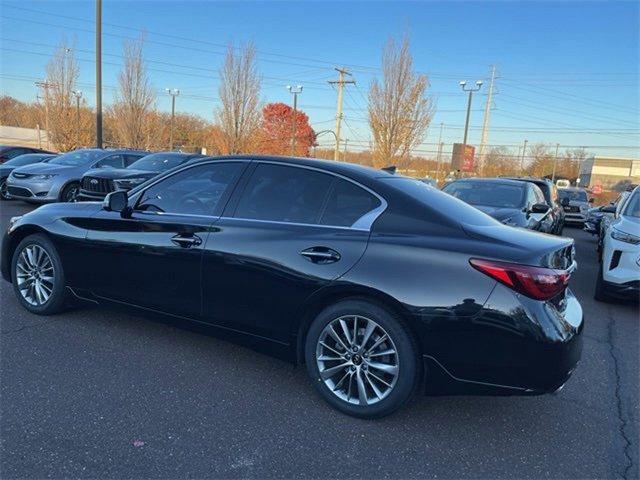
{"points": [[534, 282]]}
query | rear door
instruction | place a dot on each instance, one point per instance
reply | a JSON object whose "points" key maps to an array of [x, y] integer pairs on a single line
{"points": [[288, 231]]}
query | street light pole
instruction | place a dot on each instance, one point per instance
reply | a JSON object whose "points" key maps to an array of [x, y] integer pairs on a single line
{"points": [[294, 91], [524, 154], [99, 73], [555, 162], [78, 95], [174, 92], [463, 84]]}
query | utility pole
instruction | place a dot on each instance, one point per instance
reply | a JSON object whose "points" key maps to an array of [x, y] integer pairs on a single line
{"points": [[439, 151], [555, 162], [485, 122], [78, 95], [99, 73], [294, 91], [524, 154], [341, 82], [174, 92], [45, 85], [463, 84], [344, 154]]}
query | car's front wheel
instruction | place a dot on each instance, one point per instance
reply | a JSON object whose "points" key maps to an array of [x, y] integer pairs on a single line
{"points": [[4, 193], [362, 359], [38, 276], [70, 193]]}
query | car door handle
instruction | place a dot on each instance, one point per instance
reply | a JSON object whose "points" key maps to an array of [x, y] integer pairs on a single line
{"points": [[187, 242], [320, 255]]}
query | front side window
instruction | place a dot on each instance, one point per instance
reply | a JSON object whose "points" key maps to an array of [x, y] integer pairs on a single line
{"points": [[159, 162], [114, 161], [195, 191], [77, 158], [284, 194]]}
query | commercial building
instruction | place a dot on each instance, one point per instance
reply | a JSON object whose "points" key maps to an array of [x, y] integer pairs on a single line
{"points": [[608, 172]]}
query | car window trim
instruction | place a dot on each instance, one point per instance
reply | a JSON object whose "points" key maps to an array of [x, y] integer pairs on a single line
{"points": [[364, 223]]}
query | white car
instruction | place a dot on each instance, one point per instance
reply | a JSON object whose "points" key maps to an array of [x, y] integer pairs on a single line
{"points": [[619, 275]]}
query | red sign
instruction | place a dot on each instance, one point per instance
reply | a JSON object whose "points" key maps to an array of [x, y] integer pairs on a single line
{"points": [[463, 157], [596, 190]]}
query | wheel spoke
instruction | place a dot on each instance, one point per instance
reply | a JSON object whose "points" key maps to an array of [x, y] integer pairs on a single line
{"points": [[355, 330], [326, 358], [330, 372], [370, 373], [389, 351], [377, 342], [336, 337], [383, 367], [373, 386], [345, 330], [329, 348], [362, 391], [337, 386], [367, 333]]}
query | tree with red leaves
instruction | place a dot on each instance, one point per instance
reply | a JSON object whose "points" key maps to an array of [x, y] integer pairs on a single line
{"points": [[276, 132]]}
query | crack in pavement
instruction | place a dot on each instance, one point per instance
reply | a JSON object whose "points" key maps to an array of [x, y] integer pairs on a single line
{"points": [[623, 422]]}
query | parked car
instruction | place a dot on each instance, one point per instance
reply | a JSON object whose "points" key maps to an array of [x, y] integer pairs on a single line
{"points": [[595, 215], [619, 275], [370, 279], [512, 202], [20, 161], [610, 213], [7, 152], [59, 179], [575, 203], [555, 219], [432, 182], [96, 183]]}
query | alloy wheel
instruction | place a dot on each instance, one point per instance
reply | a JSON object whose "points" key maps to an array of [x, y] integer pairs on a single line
{"points": [[357, 360], [35, 275], [3, 190], [72, 194]]}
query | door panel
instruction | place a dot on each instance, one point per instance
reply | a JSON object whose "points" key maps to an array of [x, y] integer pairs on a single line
{"points": [[256, 276]]}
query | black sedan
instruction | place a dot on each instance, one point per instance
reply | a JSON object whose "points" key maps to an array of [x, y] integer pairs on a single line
{"points": [[20, 161], [96, 183], [512, 202], [555, 219], [7, 152], [379, 283]]}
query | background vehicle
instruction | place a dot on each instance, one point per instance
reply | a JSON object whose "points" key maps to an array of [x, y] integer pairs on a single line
{"points": [[575, 203], [20, 161], [430, 181], [512, 202], [555, 219], [95, 184], [619, 275], [7, 152], [609, 214], [365, 276], [59, 179], [562, 183]]}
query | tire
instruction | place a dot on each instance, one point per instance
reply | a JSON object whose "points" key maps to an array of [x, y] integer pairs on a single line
{"points": [[22, 262], [4, 195], [385, 389], [601, 294], [70, 192]]}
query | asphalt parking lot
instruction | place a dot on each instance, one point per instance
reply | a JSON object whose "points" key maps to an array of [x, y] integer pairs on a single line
{"points": [[98, 393]]}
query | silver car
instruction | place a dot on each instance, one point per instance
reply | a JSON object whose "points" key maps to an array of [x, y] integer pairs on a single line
{"points": [[575, 203], [59, 179]]}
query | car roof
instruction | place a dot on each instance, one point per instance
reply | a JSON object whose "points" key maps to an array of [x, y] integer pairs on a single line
{"points": [[537, 181]]}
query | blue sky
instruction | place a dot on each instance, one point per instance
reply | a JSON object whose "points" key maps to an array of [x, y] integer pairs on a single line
{"points": [[568, 72]]}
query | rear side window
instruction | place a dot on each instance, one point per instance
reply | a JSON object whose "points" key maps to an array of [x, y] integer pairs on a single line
{"points": [[284, 194], [347, 203]]}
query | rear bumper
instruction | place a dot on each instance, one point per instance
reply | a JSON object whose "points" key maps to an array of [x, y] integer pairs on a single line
{"points": [[514, 346]]}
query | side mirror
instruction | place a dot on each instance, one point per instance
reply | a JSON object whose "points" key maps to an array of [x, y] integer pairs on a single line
{"points": [[116, 201], [591, 200], [564, 202], [539, 208], [608, 209]]}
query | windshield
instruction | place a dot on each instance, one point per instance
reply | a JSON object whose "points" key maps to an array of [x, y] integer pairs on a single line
{"points": [[435, 199], [632, 208], [77, 158], [25, 159], [488, 194], [159, 162], [577, 195]]}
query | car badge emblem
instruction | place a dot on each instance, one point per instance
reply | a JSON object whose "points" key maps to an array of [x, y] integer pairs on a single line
{"points": [[94, 181]]}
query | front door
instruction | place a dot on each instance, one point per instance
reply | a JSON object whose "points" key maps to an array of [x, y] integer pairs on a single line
{"points": [[152, 257], [291, 231]]}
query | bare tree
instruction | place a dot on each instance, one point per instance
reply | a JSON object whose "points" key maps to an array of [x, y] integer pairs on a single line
{"points": [[239, 115], [134, 100], [399, 110], [58, 113]]}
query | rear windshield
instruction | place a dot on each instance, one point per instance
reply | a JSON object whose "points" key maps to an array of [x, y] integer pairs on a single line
{"points": [[433, 198], [489, 194], [577, 195], [159, 162], [77, 158], [26, 159]]}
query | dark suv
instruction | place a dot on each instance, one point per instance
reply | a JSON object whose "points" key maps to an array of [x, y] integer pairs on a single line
{"points": [[555, 220], [97, 183]]}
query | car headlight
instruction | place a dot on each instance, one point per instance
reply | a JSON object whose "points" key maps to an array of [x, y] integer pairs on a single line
{"points": [[129, 182], [13, 221], [624, 237], [46, 176]]}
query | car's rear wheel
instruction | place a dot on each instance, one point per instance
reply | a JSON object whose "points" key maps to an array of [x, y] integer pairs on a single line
{"points": [[4, 193], [362, 359], [70, 192], [38, 276]]}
